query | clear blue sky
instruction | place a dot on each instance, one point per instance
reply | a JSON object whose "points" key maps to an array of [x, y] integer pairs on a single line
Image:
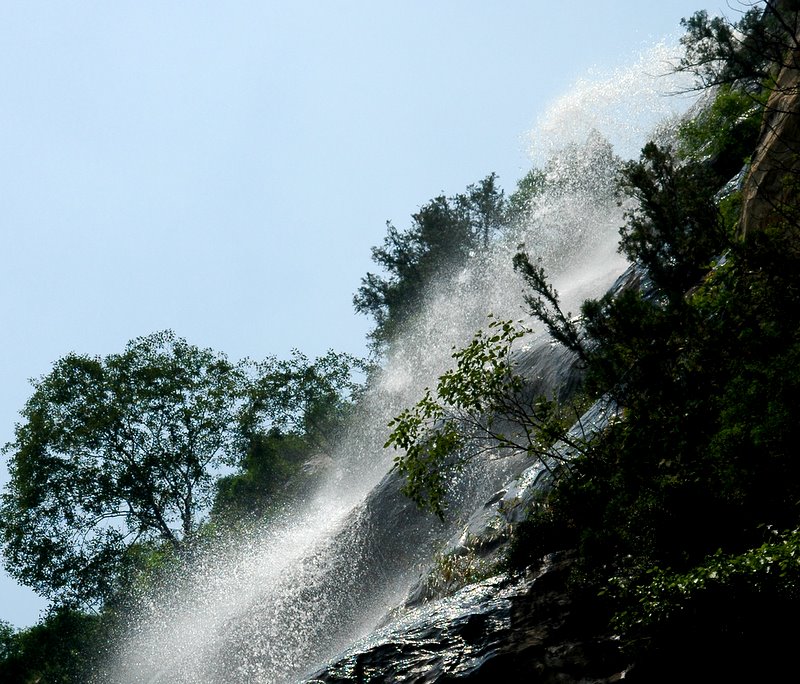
{"points": [[222, 169]]}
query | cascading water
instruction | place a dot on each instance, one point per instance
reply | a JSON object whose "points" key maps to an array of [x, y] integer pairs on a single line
{"points": [[274, 604]]}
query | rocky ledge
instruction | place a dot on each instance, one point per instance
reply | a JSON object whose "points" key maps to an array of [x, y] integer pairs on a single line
{"points": [[531, 627]]}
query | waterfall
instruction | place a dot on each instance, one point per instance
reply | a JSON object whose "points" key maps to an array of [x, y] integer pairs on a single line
{"points": [[278, 601]]}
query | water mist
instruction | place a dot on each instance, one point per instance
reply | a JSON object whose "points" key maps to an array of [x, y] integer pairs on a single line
{"points": [[278, 601]]}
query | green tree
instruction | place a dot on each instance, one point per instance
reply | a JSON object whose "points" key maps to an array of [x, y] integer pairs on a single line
{"points": [[120, 457], [723, 133], [269, 473], [675, 227], [479, 406], [115, 452], [530, 186], [444, 234], [298, 396], [718, 51], [296, 411], [56, 650]]}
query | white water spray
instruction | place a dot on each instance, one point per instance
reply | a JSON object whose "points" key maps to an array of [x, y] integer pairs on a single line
{"points": [[276, 603]]}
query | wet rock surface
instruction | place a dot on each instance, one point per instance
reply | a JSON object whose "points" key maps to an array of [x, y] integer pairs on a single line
{"points": [[530, 627], [451, 627], [525, 626]]}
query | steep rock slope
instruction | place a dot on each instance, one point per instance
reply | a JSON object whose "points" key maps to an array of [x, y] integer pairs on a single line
{"points": [[766, 191]]}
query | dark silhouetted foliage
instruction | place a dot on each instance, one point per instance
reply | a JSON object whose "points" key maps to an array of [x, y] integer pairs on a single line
{"points": [[57, 650], [718, 51], [444, 234]]}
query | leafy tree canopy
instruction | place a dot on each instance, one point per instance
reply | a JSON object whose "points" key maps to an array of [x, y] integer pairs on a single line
{"points": [[296, 411], [674, 228], [57, 650], [444, 234], [718, 51], [479, 406], [312, 399], [120, 454], [112, 452]]}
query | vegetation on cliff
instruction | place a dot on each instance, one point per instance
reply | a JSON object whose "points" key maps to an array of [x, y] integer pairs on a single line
{"points": [[684, 510], [444, 234]]}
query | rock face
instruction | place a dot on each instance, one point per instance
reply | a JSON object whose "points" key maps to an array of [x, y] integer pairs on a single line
{"points": [[446, 631], [527, 626], [530, 627], [765, 192]]}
